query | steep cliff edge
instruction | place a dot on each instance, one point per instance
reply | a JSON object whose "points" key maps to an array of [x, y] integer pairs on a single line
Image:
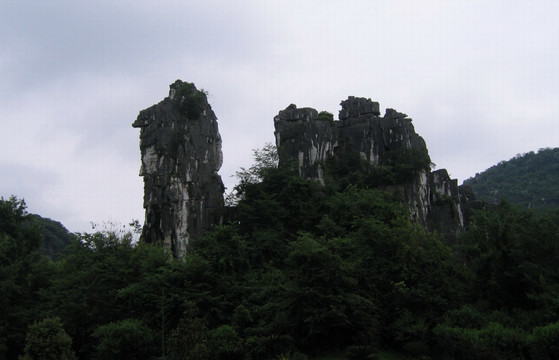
{"points": [[396, 157], [181, 154]]}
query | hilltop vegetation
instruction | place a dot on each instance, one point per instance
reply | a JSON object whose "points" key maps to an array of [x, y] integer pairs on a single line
{"points": [[529, 180], [303, 270]]}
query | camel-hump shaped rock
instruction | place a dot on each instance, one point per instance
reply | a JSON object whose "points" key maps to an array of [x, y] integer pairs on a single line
{"points": [[181, 154]]}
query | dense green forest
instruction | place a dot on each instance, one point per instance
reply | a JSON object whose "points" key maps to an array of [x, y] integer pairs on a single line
{"points": [[302, 271], [529, 180]]}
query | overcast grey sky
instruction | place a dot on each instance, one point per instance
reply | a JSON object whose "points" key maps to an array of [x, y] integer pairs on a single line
{"points": [[479, 78]]}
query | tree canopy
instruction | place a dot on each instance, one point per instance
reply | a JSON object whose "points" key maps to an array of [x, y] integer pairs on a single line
{"points": [[300, 271]]}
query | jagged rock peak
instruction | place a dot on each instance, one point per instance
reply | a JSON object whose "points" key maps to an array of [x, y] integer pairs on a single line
{"points": [[390, 146], [393, 114], [181, 154], [292, 113], [358, 106]]}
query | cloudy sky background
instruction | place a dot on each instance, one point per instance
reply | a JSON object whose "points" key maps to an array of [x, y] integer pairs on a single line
{"points": [[480, 79]]}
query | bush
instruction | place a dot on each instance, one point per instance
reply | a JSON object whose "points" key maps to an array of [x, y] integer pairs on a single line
{"points": [[225, 343], [47, 340], [416, 348], [126, 339], [292, 356], [358, 352], [191, 100], [545, 342], [189, 339], [326, 116], [264, 347], [493, 341]]}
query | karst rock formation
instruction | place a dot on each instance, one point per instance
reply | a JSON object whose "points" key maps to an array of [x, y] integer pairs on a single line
{"points": [[387, 143], [181, 154]]}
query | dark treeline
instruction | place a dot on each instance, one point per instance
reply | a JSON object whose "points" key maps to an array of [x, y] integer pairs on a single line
{"points": [[303, 270]]}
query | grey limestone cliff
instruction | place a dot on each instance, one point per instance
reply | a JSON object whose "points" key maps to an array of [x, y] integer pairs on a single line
{"points": [[181, 154], [388, 144]]}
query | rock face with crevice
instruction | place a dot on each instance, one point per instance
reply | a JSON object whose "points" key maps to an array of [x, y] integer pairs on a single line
{"points": [[388, 144], [181, 154]]}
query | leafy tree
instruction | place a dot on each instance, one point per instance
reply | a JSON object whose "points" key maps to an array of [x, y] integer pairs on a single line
{"points": [[511, 252], [23, 273], [124, 339], [300, 266], [105, 283], [47, 340], [324, 310], [326, 116], [265, 160], [283, 203], [510, 311], [189, 339], [225, 343]]}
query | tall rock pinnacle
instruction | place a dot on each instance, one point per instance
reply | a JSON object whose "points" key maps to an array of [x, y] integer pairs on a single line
{"points": [[181, 154]]}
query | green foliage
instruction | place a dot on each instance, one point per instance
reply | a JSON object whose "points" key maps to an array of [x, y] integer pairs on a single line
{"points": [[189, 339], [358, 352], [225, 343], [352, 170], [282, 203], [301, 267], [545, 341], [23, 273], [529, 180], [496, 341], [398, 167], [493, 341], [191, 100], [403, 162], [55, 238], [323, 307], [265, 161], [326, 116], [124, 339], [511, 252], [12, 213], [47, 340]]}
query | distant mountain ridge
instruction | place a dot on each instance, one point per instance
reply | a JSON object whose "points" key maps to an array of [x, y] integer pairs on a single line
{"points": [[54, 236], [529, 180]]}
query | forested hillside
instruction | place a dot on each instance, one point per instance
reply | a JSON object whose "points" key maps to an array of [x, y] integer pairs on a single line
{"points": [[54, 236], [301, 272], [529, 180]]}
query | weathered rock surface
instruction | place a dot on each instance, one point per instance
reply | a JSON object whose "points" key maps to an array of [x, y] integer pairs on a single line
{"points": [[181, 154], [387, 143]]}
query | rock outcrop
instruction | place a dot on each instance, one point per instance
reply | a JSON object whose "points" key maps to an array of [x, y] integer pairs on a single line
{"points": [[181, 154], [388, 144]]}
